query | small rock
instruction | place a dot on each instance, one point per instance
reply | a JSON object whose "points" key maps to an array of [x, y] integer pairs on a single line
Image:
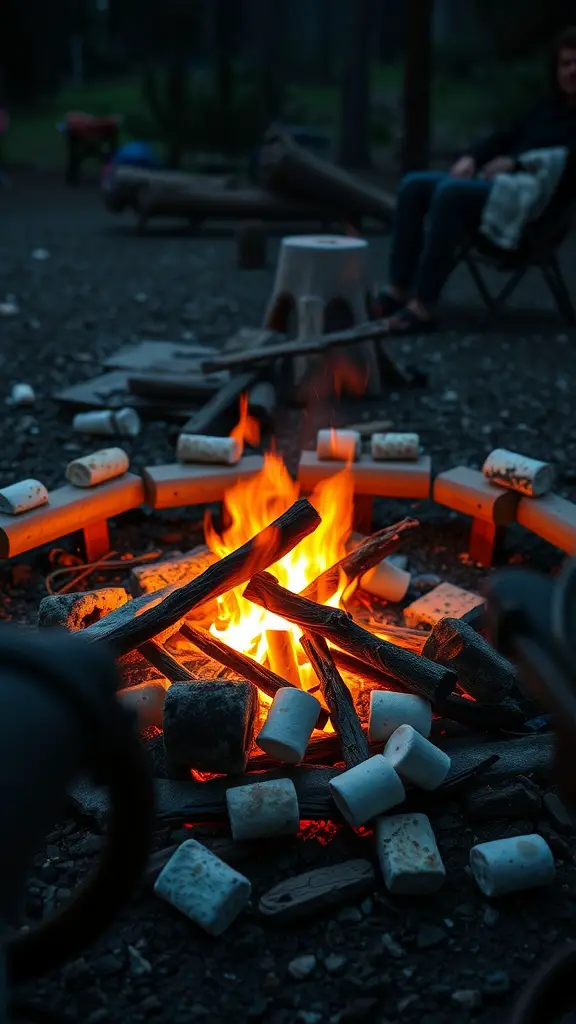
{"points": [[392, 947], [9, 309], [108, 964], [349, 915], [40, 255], [302, 967], [367, 906], [139, 966], [87, 847], [497, 983], [450, 396], [308, 1017], [430, 936], [152, 1004], [467, 998], [335, 964], [490, 916], [356, 1009]]}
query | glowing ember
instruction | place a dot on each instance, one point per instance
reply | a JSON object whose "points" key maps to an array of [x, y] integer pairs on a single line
{"points": [[251, 506]]}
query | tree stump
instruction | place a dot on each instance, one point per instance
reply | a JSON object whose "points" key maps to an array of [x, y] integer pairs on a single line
{"points": [[324, 279]]}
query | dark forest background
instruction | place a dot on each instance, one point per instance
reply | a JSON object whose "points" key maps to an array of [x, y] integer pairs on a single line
{"points": [[209, 75]]}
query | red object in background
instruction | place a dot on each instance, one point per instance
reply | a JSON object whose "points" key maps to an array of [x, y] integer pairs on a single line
{"points": [[88, 126], [89, 137]]}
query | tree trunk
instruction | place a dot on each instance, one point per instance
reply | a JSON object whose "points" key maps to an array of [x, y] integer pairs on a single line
{"points": [[417, 85], [355, 92]]}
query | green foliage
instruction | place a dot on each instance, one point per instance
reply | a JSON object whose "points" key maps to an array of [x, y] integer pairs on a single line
{"points": [[185, 114]]}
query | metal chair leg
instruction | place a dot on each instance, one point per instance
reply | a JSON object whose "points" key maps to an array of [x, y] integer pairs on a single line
{"points": [[509, 288], [479, 281]]}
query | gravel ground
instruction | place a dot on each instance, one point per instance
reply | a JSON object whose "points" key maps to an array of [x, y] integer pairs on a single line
{"points": [[449, 958]]}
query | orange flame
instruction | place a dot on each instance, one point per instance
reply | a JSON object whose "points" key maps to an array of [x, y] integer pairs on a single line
{"points": [[248, 428], [251, 505]]}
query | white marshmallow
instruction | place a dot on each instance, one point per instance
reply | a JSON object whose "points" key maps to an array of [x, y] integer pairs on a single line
{"points": [[97, 421], [518, 472], [287, 730], [201, 448], [387, 581], [96, 468], [310, 316], [416, 759], [263, 809], [203, 887], [22, 497], [409, 857], [385, 447], [389, 710], [367, 790], [146, 700], [128, 422], [512, 864], [23, 394], [338, 445]]}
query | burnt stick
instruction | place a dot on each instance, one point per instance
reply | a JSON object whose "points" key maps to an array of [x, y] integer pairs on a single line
{"points": [[165, 663], [141, 620], [339, 700], [415, 673], [369, 553]]}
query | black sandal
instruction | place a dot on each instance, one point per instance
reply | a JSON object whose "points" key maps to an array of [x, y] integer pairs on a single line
{"points": [[405, 321]]}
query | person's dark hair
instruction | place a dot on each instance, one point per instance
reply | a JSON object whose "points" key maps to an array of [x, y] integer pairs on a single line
{"points": [[565, 40]]}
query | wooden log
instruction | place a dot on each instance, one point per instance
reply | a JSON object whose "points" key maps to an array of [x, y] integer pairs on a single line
{"points": [[371, 331], [180, 387], [339, 700], [470, 713], [206, 418], [417, 674], [165, 663], [369, 553], [69, 509], [481, 671], [75, 611], [264, 678], [147, 616], [316, 890], [282, 656]]}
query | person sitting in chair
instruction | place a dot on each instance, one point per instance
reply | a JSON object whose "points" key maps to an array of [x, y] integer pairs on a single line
{"points": [[452, 202]]}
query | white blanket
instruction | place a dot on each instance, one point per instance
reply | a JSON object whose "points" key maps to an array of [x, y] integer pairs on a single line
{"points": [[517, 199]]}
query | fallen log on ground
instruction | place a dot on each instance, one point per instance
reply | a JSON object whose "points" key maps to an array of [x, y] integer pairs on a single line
{"points": [[415, 673], [144, 618], [370, 331]]}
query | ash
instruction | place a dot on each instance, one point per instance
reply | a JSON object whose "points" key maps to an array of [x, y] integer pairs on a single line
{"points": [[445, 959]]}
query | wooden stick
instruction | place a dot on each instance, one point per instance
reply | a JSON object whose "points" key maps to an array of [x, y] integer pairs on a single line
{"points": [[416, 674], [165, 663], [369, 553], [150, 615], [246, 667], [370, 331], [470, 713], [339, 700], [281, 655]]}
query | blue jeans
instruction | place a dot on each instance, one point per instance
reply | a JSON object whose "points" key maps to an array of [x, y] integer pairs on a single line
{"points": [[421, 260]]}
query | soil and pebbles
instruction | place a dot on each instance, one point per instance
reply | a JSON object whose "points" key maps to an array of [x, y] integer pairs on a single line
{"points": [[445, 959]]}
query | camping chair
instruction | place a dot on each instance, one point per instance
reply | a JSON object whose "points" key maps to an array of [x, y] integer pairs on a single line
{"points": [[539, 249]]}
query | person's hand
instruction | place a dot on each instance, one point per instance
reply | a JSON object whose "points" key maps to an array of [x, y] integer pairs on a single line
{"points": [[465, 167], [499, 165]]}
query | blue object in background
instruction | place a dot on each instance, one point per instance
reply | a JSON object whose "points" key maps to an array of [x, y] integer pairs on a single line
{"points": [[136, 154]]}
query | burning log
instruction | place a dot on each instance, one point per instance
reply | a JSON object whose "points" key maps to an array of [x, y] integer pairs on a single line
{"points": [[146, 617], [481, 671], [245, 667], [416, 674], [339, 700], [210, 725], [281, 655], [364, 557]]}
